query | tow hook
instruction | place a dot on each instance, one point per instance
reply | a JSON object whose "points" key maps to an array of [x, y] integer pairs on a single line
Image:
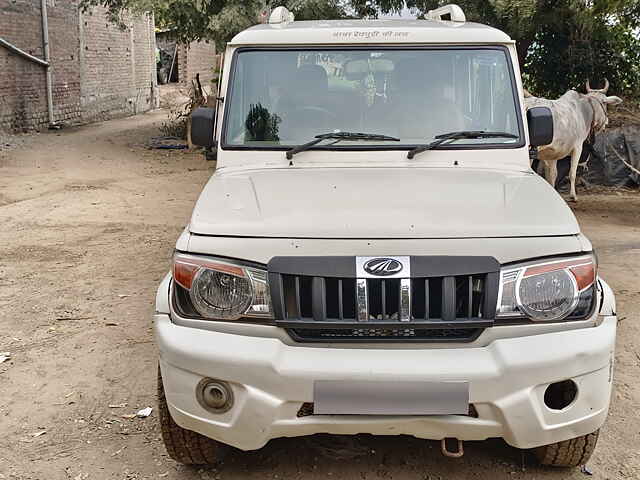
{"points": [[448, 453]]}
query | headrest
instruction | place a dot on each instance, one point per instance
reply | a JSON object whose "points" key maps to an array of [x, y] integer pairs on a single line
{"points": [[312, 78], [419, 73], [410, 74]]}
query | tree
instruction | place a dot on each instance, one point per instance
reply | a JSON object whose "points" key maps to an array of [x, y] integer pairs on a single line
{"points": [[560, 43], [214, 20], [516, 17], [586, 43]]}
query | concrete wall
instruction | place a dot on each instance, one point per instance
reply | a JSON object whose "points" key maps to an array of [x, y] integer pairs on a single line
{"points": [[99, 71]]}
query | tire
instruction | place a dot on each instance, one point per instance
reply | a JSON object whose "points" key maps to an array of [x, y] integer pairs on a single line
{"points": [[570, 453], [185, 446]]}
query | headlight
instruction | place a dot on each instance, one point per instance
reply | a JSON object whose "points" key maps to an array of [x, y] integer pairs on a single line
{"points": [[548, 290], [219, 289]]}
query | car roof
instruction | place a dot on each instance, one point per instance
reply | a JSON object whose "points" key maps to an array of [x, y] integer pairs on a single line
{"points": [[358, 32]]}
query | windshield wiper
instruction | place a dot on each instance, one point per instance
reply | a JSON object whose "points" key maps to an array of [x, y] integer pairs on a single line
{"points": [[440, 139], [338, 136]]}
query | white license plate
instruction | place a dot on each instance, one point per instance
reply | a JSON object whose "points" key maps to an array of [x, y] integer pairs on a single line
{"points": [[340, 397]]}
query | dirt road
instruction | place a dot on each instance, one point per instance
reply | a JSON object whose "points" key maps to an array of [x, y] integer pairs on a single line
{"points": [[89, 218]]}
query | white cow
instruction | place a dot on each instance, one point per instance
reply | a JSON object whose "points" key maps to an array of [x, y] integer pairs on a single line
{"points": [[576, 117]]}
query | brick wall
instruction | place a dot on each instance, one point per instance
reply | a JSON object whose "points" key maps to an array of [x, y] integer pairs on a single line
{"points": [[23, 94], [98, 70], [198, 57], [117, 66], [144, 49]]}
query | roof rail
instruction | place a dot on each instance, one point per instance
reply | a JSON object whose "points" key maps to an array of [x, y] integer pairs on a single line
{"points": [[280, 15], [452, 10]]}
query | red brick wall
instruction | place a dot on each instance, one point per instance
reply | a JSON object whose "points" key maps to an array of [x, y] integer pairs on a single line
{"points": [[99, 71]]}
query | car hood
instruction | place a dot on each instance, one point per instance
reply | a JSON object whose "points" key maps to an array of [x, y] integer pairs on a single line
{"points": [[408, 202]]}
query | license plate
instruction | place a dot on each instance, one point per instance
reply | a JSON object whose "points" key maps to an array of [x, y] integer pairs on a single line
{"points": [[339, 397]]}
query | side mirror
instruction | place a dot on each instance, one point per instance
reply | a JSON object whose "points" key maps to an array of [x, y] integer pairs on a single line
{"points": [[540, 123], [202, 125]]}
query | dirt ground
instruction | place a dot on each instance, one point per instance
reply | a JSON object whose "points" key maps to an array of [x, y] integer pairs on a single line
{"points": [[89, 218]]}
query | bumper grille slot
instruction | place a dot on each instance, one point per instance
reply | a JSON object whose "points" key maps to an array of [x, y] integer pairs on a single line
{"points": [[306, 410], [385, 334], [442, 307]]}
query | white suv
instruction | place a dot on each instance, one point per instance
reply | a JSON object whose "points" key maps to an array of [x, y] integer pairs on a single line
{"points": [[375, 255]]}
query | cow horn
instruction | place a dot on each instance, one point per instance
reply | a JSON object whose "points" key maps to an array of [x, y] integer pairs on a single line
{"points": [[587, 86], [606, 85]]}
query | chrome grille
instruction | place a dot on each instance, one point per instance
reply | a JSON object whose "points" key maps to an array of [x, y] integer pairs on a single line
{"points": [[398, 299], [316, 300]]}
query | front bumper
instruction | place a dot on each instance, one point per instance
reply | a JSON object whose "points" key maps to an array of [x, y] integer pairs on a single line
{"points": [[271, 380]]}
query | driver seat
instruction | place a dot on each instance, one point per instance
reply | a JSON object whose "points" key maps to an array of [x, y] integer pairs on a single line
{"points": [[305, 111]]}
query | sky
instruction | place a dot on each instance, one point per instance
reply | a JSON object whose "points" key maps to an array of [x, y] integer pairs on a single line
{"points": [[405, 13]]}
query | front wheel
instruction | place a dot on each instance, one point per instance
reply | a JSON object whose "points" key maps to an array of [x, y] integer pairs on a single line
{"points": [[569, 453], [185, 446]]}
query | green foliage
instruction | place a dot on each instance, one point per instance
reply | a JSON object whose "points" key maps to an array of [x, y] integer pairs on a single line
{"points": [[214, 20], [560, 43], [235, 16], [585, 46]]}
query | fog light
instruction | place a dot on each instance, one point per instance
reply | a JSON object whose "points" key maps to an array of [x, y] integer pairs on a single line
{"points": [[214, 395], [560, 395]]}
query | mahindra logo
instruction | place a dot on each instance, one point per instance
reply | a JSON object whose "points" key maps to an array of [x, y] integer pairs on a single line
{"points": [[382, 267]]}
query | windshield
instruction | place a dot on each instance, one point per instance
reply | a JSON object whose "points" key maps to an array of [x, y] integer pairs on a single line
{"points": [[283, 98]]}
